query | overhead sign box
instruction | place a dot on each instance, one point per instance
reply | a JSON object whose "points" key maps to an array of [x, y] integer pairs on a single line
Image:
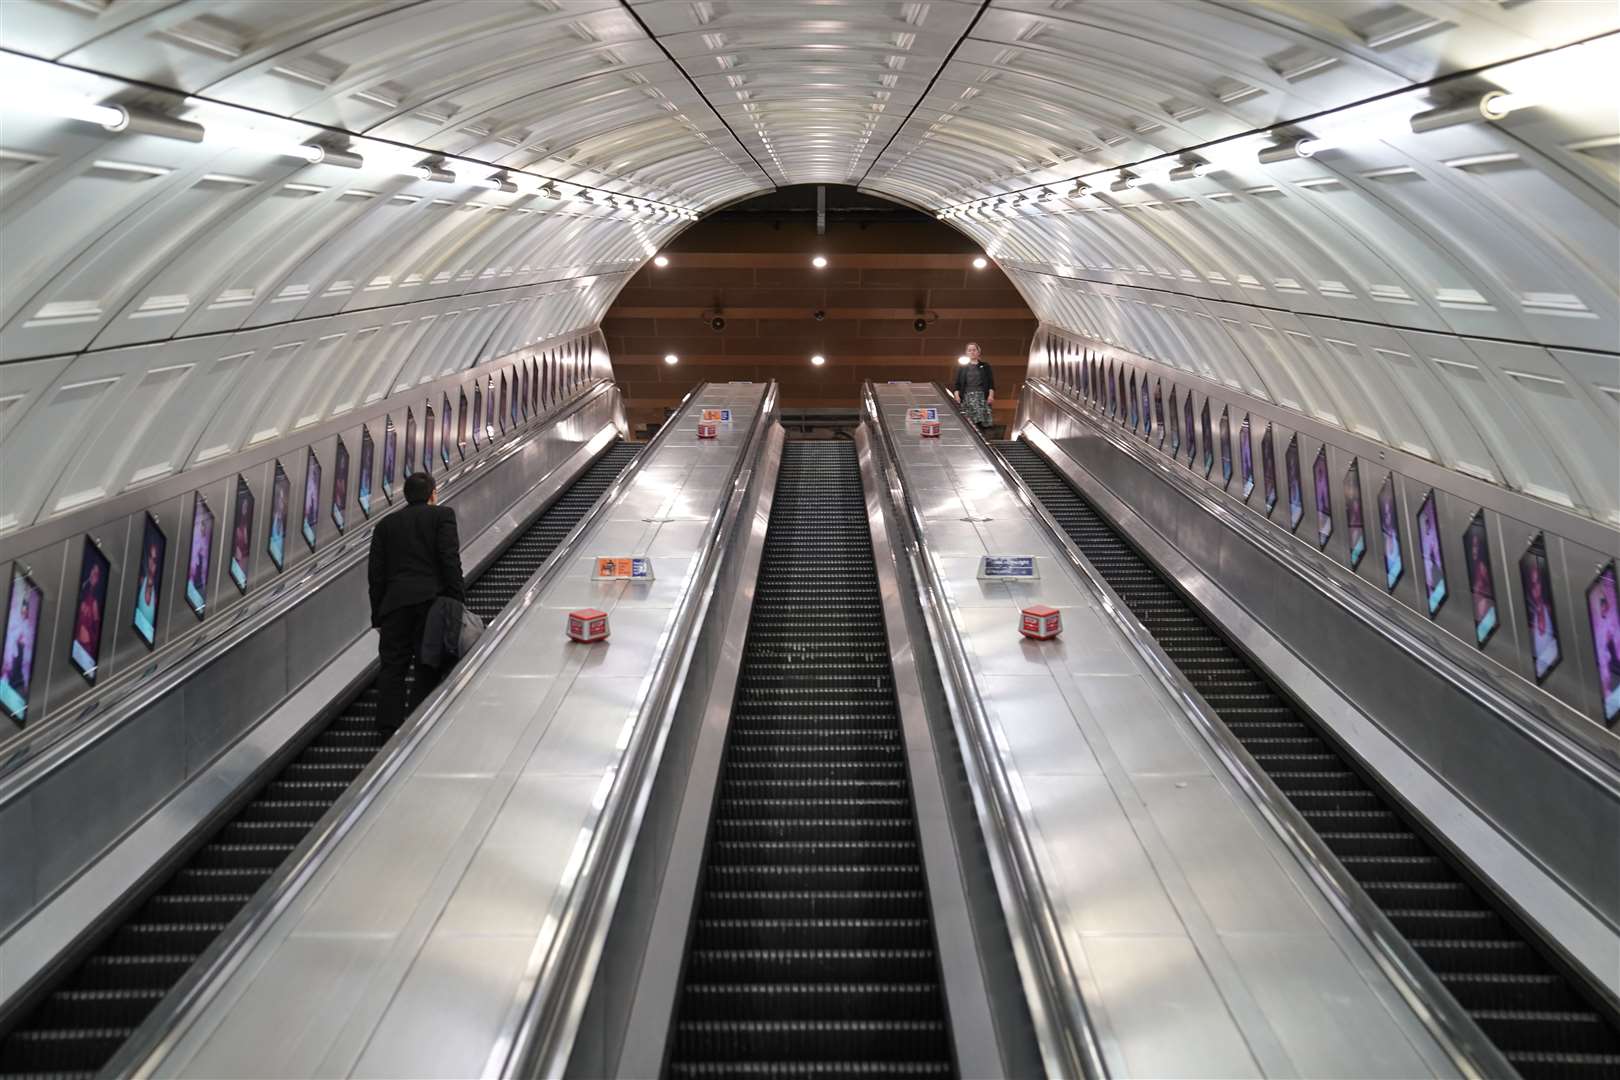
{"points": [[1008, 568], [623, 568]]}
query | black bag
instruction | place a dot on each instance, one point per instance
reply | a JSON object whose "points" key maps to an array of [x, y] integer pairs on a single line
{"points": [[449, 633]]}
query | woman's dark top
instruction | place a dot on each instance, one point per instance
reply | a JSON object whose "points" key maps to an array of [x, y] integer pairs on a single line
{"points": [[970, 377]]}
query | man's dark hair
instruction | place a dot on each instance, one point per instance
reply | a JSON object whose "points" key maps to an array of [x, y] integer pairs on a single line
{"points": [[418, 488]]}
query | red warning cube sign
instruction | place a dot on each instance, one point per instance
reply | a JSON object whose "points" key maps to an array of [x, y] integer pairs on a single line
{"points": [[707, 429], [1040, 622], [930, 429], [588, 624]]}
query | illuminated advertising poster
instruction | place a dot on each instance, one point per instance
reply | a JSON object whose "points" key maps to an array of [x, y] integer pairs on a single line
{"points": [[312, 498], [444, 433], [1434, 561], [1147, 409], [1175, 430], [1389, 525], [410, 441], [1130, 395], [280, 496], [1246, 456], [489, 410], [1226, 448], [22, 640], [427, 438], [1296, 498], [241, 534], [1539, 616], [1481, 579], [94, 572], [149, 582], [1603, 611], [390, 451], [200, 557], [340, 485], [1324, 498], [1113, 392], [463, 422], [1158, 409], [1191, 439], [1354, 522], [368, 457], [1209, 440], [1268, 469]]}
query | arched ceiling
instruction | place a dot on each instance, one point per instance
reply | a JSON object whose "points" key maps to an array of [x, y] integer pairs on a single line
{"points": [[1452, 293]]}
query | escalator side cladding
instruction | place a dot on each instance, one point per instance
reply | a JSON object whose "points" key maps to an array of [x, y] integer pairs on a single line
{"points": [[79, 1026], [1523, 1003], [813, 953]]}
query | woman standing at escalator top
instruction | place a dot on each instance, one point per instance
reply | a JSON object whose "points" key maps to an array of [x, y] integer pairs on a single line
{"points": [[975, 387]]}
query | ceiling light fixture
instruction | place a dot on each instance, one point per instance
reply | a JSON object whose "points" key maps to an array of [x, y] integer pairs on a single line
{"points": [[819, 261], [818, 360], [660, 261], [980, 262], [671, 359]]}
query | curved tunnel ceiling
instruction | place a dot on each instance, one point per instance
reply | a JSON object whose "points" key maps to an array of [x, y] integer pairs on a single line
{"points": [[165, 302]]}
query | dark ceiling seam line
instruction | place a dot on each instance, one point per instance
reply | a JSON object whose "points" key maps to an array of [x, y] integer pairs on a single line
{"points": [[698, 90], [943, 64], [91, 350], [1397, 327]]}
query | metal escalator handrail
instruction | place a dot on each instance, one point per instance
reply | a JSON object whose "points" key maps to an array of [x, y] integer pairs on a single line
{"points": [[37, 751], [1454, 1031], [1068, 1039], [144, 1053], [538, 1034], [1571, 741]]}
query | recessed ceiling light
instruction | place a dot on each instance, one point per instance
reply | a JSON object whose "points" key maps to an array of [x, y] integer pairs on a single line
{"points": [[661, 260], [819, 261], [671, 359], [817, 360], [979, 262]]}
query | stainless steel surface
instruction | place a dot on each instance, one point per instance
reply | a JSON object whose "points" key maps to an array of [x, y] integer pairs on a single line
{"points": [[1525, 806], [982, 1047], [441, 839], [653, 938], [1067, 1033], [1470, 1052], [145, 1050], [153, 754], [539, 1039], [1205, 896]]}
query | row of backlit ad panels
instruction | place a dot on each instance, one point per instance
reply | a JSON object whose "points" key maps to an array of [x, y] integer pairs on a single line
{"points": [[1467, 569], [125, 590]]}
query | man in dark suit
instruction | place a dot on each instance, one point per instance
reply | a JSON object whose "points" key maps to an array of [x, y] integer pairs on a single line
{"points": [[415, 558]]}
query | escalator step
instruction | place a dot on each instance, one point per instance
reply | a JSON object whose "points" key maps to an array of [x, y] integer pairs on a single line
{"points": [[813, 953]]}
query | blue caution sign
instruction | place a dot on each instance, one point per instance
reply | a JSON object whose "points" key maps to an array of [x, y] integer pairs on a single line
{"points": [[1008, 568]]}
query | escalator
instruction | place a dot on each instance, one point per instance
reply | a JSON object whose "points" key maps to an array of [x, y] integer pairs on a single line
{"points": [[1521, 1000], [78, 1026], [813, 953]]}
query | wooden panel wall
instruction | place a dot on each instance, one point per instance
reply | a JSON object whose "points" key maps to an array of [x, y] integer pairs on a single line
{"points": [[759, 277]]}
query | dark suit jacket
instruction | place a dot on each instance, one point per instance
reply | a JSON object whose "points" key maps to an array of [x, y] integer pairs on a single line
{"points": [[415, 556]]}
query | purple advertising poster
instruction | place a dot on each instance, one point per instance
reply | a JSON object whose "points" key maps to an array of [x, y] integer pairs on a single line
{"points": [[1481, 581], [22, 639], [94, 571], [1539, 616], [1603, 610], [1434, 560]]}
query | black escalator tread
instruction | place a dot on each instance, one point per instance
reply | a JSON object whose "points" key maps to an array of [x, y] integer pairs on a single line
{"points": [[813, 953], [78, 1026], [1521, 1001]]}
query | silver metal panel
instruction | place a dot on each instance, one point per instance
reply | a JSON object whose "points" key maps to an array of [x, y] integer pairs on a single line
{"points": [[1171, 1018], [284, 648], [1501, 794], [438, 852], [1148, 847]]}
